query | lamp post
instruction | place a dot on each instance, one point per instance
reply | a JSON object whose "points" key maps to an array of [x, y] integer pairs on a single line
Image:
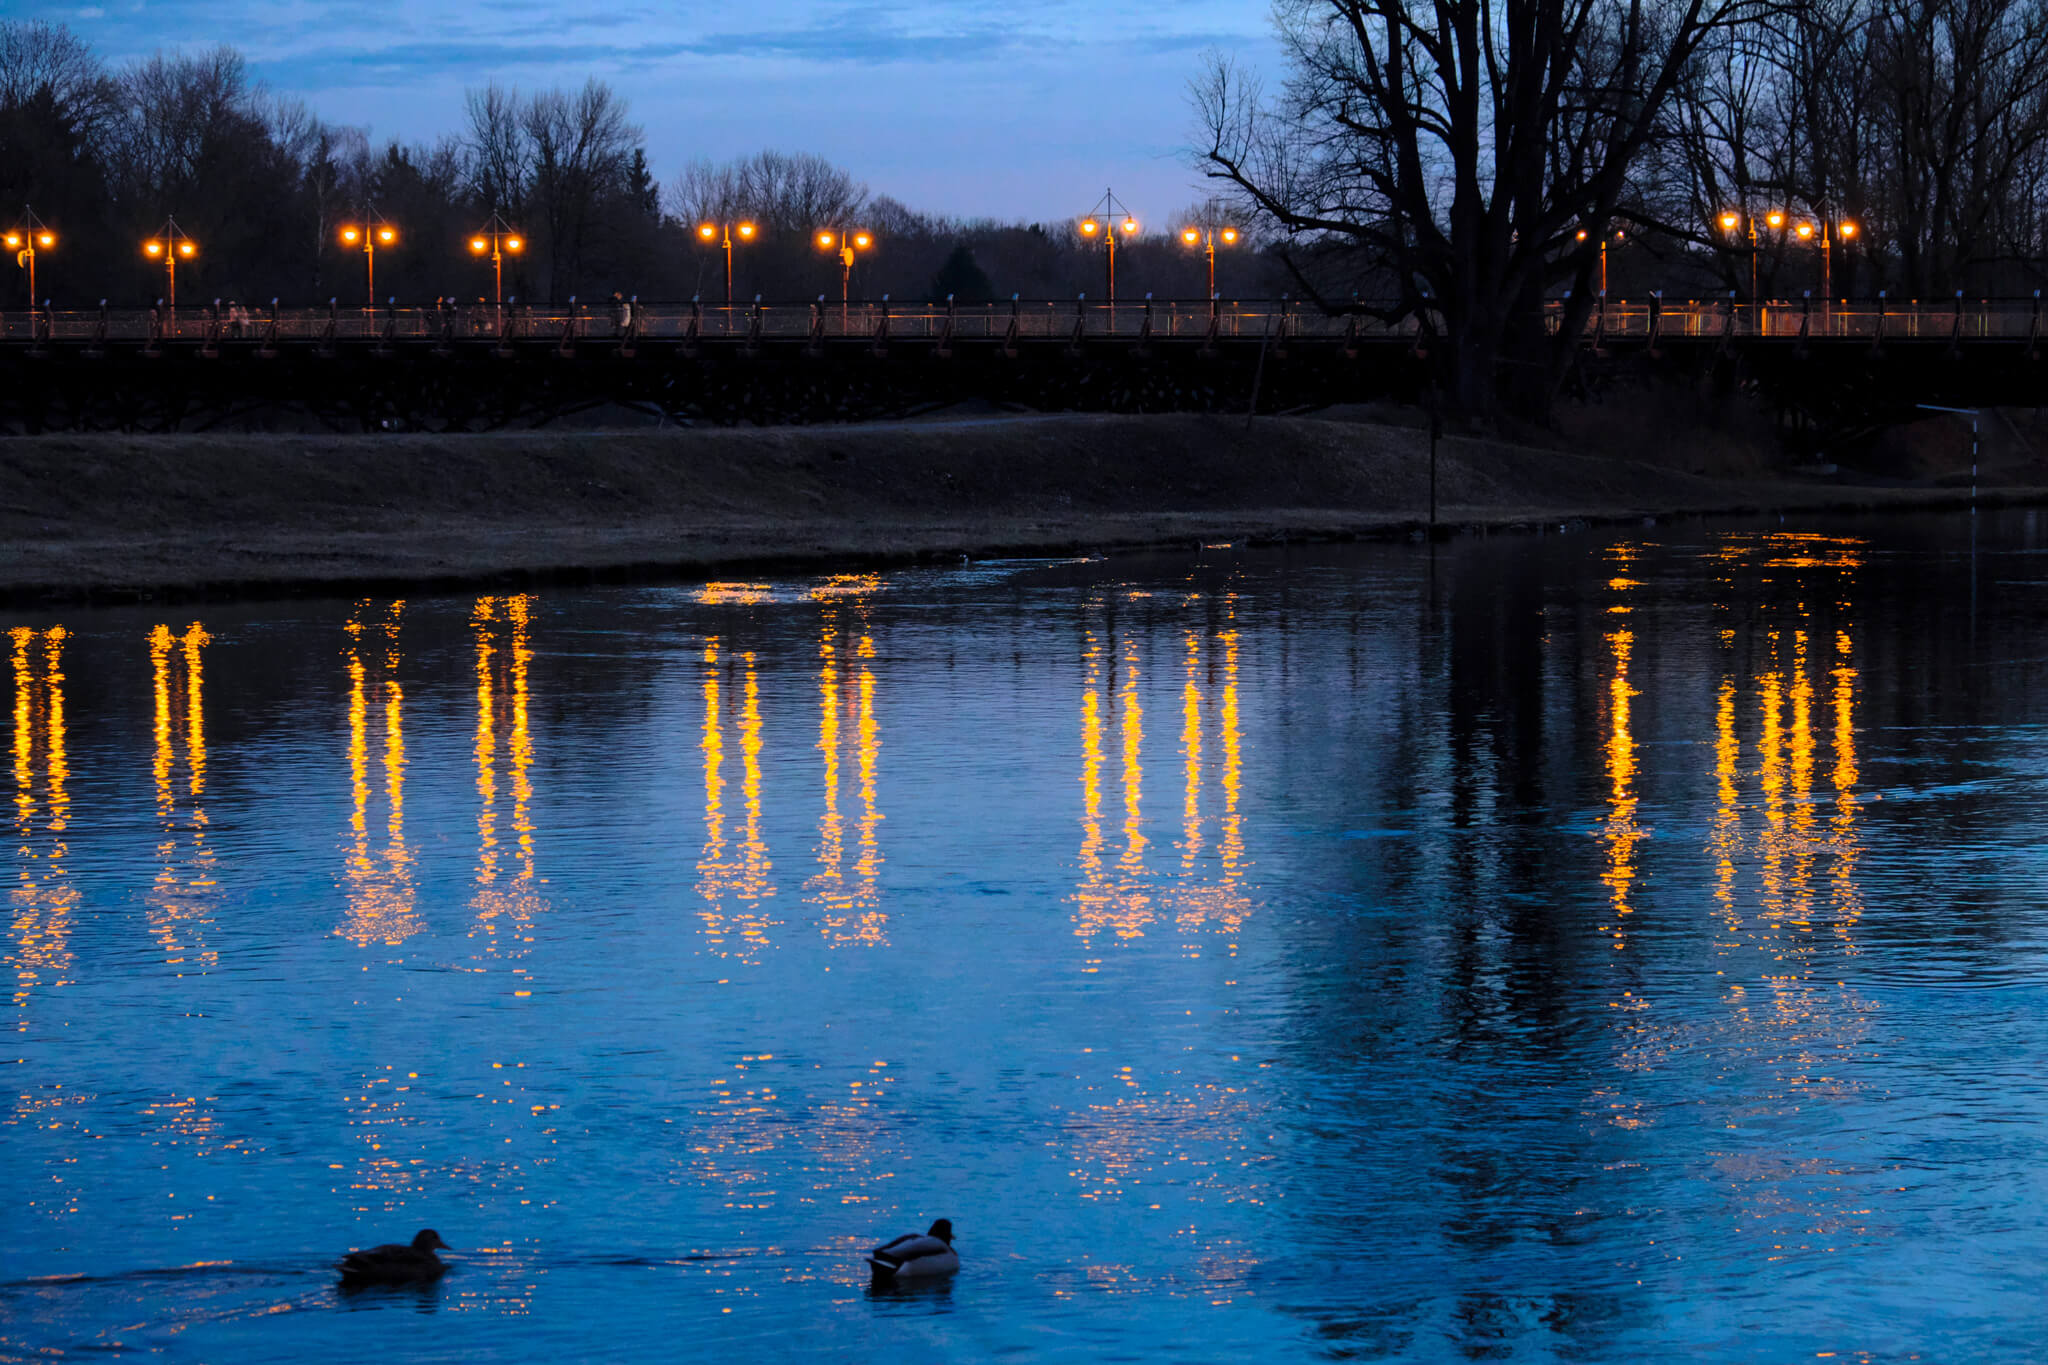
{"points": [[369, 237], [1732, 222], [496, 239], [1617, 235], [24, 241], [170, 246], [709, 233], [845, 244], [1844, 229], [1206, 237], [1108, 220]]}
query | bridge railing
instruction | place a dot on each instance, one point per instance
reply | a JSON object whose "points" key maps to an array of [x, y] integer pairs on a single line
{"points": [[1041, 320]]}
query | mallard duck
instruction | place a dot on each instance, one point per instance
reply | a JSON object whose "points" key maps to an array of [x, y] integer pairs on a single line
{"points": [[396, 1264], [911, 1257]]}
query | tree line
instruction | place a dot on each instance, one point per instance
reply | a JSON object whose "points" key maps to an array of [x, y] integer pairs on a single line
{"points": [[262, 186], [1466, 159]]}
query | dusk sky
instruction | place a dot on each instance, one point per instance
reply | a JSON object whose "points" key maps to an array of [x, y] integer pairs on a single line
{"points": [[958, 106]]}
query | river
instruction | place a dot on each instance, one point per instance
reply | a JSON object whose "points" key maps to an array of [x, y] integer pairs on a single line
{"points": [[1552, 946]]}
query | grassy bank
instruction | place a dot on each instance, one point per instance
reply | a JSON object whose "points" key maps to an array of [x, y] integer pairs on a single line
{"points": [[111, 516]]}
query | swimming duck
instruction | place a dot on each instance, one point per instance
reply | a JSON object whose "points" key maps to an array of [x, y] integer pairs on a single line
{"points": [[395, 1264], [911, 1257]]}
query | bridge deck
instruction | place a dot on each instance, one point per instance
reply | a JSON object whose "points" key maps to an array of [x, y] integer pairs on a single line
{"points": [[1981, 319]]}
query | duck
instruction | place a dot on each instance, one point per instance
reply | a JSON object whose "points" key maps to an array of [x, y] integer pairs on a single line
{"points": [[914, 1257], [394, 1263]]}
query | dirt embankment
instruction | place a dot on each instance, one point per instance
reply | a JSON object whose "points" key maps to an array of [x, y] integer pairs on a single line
{"points": [[110, 516]]}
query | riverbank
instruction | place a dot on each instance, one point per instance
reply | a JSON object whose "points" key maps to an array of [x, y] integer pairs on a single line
{"points": [[114, 517]]}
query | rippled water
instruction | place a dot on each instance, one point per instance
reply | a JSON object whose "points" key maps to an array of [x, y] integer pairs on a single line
{"points": [[1554, 947]]}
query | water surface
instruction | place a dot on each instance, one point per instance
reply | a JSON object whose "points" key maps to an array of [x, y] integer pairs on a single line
{"points": [[1552, 947]]}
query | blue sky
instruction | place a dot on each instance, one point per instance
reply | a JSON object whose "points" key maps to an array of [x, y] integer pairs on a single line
{"points": [[1016, 110]]}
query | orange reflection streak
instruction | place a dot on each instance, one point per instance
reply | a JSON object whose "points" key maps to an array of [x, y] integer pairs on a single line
{"points": [[1800, 825], [505, 908], [44, 902], [1221, 903], [179, 900], [1191, 756], [1121, 902], [378, 884], [712, 869], [486, 750], [1623, 831], [850, 911], [1093, 895], [1727, 811], [827, 887], [1232, 850], [1848, 899], [867, 864], [520, 611], [1133, 859], [1771, 779]]}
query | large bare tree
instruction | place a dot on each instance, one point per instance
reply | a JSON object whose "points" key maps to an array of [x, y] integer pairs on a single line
{"points": [[1457, 147]]}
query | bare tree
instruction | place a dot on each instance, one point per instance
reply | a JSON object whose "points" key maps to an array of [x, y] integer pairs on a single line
{"points": [[582, 147], [1458, 145], [500, 152]]}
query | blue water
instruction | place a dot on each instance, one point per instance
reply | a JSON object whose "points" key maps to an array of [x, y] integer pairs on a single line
{"points": [[1549, 947]]}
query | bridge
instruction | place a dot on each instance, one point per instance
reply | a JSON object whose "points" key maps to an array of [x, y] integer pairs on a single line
{"points": [[1834, 364]]}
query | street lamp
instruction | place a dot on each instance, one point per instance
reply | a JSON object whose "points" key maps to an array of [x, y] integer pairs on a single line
{"points": [[1108, 220], [1845, 231], [369, 238], [709, 232], [170, 246], [24, 241], [496, 239], [1206, 238], [1732, 220], [845, 244], [1618, 236]]}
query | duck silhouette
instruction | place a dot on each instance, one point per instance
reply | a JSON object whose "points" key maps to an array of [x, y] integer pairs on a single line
{"points": [[394, 1263], [914, 1257]]}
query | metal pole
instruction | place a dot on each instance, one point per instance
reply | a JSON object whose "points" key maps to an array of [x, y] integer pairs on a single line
{"points": [[1112, 262], [370, 265], [728, 267]]}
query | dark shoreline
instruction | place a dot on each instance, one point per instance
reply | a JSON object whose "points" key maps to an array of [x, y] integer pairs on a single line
{"points": [[112, 519]]}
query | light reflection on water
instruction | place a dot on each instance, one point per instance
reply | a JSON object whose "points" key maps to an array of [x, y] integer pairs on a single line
{"points": [[1554, 947]]}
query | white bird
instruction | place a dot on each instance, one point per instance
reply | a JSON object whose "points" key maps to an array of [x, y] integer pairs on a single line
{"points": [[911, 1257]]}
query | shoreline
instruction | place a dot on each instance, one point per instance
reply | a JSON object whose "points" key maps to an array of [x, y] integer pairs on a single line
{"points": [[119, 518]]}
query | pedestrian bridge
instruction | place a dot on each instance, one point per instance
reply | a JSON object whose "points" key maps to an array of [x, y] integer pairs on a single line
{"points": [[471, 366]]}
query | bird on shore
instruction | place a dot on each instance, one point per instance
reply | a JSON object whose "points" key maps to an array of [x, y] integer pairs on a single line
{"points": [[914, 1257], [394, 1263]]}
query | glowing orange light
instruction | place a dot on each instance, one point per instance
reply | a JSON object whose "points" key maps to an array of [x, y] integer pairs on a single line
{"points": [[479, 245], [386, 235], [1731, 221], [1088, 227], [1130, 225], [1229, 235], [1805, 230], [1582, 234], [514, 244], [825, 239], [746, 230], [862, 240], [349, 235], [50, 238], [1775, 218], [707, 231], [1190, 236], [13, 240], [1848, 231], [186, 248], [1619, 234]]}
